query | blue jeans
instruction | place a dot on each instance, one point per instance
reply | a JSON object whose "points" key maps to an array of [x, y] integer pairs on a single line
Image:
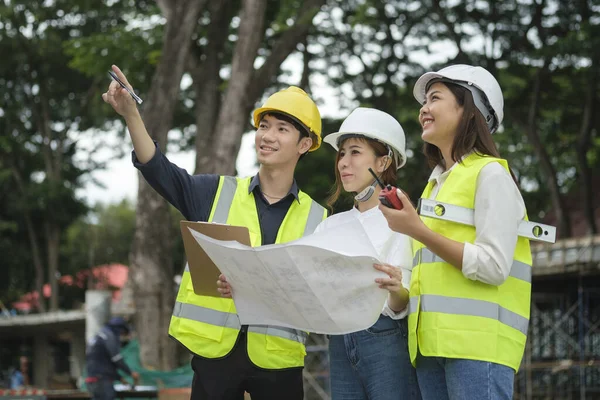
{"points": [[373, 364], [458, 379]]}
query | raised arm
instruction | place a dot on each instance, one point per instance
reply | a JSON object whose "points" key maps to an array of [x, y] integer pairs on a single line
{"points": [[122, 102], [191, 195]]}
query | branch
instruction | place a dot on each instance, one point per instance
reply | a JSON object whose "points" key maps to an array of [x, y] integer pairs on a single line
{"points": [[306, 56], [207, 81], [162, 99], [450, 26], [166, 8], [282, 49], [231, 120], [584, 140], [221, 13]]}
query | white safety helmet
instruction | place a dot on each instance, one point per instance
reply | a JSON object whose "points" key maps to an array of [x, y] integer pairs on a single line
{"points": [[372, 124], [485, 89]]}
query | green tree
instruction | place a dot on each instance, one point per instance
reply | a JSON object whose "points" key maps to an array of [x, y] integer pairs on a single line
{"points": [[43, 104], [542, 53], [103, 236]]}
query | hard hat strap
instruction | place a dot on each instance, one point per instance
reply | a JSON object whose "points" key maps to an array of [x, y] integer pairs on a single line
{"points": [[479, 99]]}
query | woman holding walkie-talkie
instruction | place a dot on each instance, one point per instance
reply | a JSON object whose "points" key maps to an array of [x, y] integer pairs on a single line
{"points": [[373, 364], [471, 283]]}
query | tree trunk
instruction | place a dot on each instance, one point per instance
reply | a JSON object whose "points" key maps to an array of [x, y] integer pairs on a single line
{"points": [[52, 147], [151, 268], [53, 244], [285, 45], [37, 263], [207, 81], [246, 84], [306, 56], [35, 247], [233, 116], [558, 203], [585, 135], [583, 145]]}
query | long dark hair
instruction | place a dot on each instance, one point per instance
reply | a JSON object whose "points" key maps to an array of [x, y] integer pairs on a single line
{"points": [[387, 177]]}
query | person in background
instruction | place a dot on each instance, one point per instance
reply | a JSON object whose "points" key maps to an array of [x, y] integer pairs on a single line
{"points": [[19, 379], [104, 360]]}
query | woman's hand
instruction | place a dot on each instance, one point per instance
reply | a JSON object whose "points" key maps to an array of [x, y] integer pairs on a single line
{"points": [[394, 281], [224, 287], [398, 296], [407, 220]]}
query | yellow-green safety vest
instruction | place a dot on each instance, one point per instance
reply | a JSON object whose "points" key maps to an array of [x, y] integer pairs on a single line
{"points": [[455, 317], [209, 326]]}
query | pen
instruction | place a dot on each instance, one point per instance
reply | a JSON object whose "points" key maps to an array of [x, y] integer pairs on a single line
{"points": [[116, 78]]}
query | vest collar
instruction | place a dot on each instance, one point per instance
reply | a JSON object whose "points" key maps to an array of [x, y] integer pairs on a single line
{"points": [[439, 169]]}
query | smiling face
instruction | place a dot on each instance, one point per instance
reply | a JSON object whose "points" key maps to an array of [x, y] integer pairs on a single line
{"points": [[440, 116], [354, 159], [279, 142]]}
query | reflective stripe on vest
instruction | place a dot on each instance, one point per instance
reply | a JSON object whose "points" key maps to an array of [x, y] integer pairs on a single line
{"points": [[206, 315], [225, 200], [470, 307], [315, 216], [518, 269], [279, 331], [229, 320]]}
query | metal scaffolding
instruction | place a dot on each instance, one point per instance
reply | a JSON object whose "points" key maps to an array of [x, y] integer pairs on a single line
{"points": [[316, 372], [562, 358]]}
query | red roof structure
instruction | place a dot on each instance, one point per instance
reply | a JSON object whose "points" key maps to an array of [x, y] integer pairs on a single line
{"points": [[103, 277]]}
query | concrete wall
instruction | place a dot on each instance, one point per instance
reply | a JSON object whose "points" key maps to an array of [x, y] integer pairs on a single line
{"points": [[97, 307]]}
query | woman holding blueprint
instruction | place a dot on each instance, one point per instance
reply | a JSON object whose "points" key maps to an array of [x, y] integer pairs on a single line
{"points": [[373, 364], [471, 282]]}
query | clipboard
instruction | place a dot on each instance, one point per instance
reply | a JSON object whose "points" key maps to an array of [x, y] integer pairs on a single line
{"points": [[203, 271]]}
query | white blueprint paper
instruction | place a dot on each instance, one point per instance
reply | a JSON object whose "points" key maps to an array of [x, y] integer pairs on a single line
{"points": [[322, 283]]}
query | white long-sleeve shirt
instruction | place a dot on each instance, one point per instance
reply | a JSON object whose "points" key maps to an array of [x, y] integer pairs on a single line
{"points": [[393, 248], [499, 208]]}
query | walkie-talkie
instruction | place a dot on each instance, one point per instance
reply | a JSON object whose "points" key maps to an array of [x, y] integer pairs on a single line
{"points": [[387, 196]]}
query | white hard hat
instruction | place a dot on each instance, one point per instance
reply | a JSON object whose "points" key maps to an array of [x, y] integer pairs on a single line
{"points": [[478, 81], [373, 124]]}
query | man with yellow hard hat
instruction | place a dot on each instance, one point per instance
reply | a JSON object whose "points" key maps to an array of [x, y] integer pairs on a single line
{"points": [[230, 358]]}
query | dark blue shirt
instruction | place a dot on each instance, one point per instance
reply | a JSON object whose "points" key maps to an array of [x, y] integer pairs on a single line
{"points": [[193, 195], [103, 356]]}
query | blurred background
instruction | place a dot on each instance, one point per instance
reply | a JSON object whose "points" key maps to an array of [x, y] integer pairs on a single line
{"points": [[81, 237]]}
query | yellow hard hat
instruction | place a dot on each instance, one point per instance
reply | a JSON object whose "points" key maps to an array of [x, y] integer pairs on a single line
{"points": [[296, 103]]}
